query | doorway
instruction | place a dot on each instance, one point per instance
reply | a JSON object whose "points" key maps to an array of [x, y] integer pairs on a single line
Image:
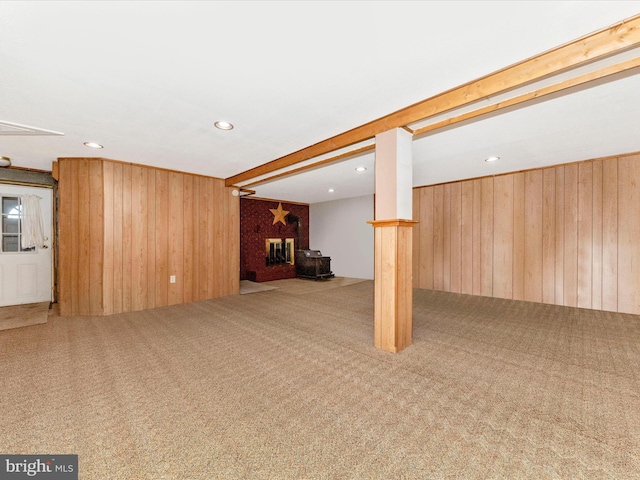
{"points": [[25, 273]]}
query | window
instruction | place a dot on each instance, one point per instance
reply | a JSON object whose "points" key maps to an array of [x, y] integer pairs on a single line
{"points": [[11, 226]]}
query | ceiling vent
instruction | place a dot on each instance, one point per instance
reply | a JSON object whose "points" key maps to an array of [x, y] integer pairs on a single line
{"points": [[8, 128]]}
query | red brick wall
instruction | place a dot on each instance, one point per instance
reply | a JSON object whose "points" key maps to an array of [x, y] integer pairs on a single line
{"points": [[256, 225]]}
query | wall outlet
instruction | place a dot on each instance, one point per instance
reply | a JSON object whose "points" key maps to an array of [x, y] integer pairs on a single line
{"points": [[172, 279]]}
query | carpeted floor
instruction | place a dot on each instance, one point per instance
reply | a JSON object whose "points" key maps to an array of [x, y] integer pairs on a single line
{"points": [[280, 386], [17, 316]]}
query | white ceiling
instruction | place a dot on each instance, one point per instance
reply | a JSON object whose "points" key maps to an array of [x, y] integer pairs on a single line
{"points": [[148, 80]]}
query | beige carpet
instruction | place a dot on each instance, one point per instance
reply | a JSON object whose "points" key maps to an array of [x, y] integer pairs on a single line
{"points": [[25, 315], [281, 386]]}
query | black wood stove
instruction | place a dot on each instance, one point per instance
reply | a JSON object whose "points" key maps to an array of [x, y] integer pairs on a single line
{"points": [[312, 264]]}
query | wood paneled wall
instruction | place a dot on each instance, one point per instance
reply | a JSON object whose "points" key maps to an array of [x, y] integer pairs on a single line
{"points": [[566, 235], [124, 229]]}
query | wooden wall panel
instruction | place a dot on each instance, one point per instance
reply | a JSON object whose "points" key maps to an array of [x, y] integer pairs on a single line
{"points": [[84, 238], [559, 234], [118, 224], [503, 237], [127, 239], [211, 237], [596, 232], [438, 237], [197, 252], [476, 252], [205, 239], [571, 235], [108, 265], [96, 237], [162, 239], [519, 234], [466, 238], [139, 233], [446, 239], [486, 237], [629, 234], [124, 229], [585, 235], [415, 254], [81, 255], [610, 235], [73, 233], [203, 227], [426, 240], [455, 225], [218, 206], [76, 239], [532, 231], [175, 238], [197, 240], [188, 206], [65, 249], [548, 235], [565, 235], [151, 239]]}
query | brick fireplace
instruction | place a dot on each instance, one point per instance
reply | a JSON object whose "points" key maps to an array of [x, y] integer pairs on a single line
{"points": [[264, 245]]}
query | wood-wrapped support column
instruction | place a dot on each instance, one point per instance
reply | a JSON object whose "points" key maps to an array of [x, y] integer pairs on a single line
{"points": [[393, 304]]}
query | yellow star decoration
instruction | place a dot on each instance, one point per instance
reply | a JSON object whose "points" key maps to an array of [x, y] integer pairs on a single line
{"points": [[279, 214]]}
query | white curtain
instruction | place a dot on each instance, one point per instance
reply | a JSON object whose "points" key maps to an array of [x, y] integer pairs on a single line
{"points": [[32, 230]]}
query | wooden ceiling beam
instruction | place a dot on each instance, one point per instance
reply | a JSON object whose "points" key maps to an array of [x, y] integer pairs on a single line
{"points": [[534, 95], [313, 166], [605, 42]]}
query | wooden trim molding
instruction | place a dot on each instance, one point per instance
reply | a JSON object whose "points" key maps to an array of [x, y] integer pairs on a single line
{"points": [[394, 222], [278, 200]]}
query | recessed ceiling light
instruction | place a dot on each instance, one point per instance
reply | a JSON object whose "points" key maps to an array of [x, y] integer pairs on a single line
{"points": [[492, 159], [331, 190], [93, 145], [223, 125], [361, 169]]}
